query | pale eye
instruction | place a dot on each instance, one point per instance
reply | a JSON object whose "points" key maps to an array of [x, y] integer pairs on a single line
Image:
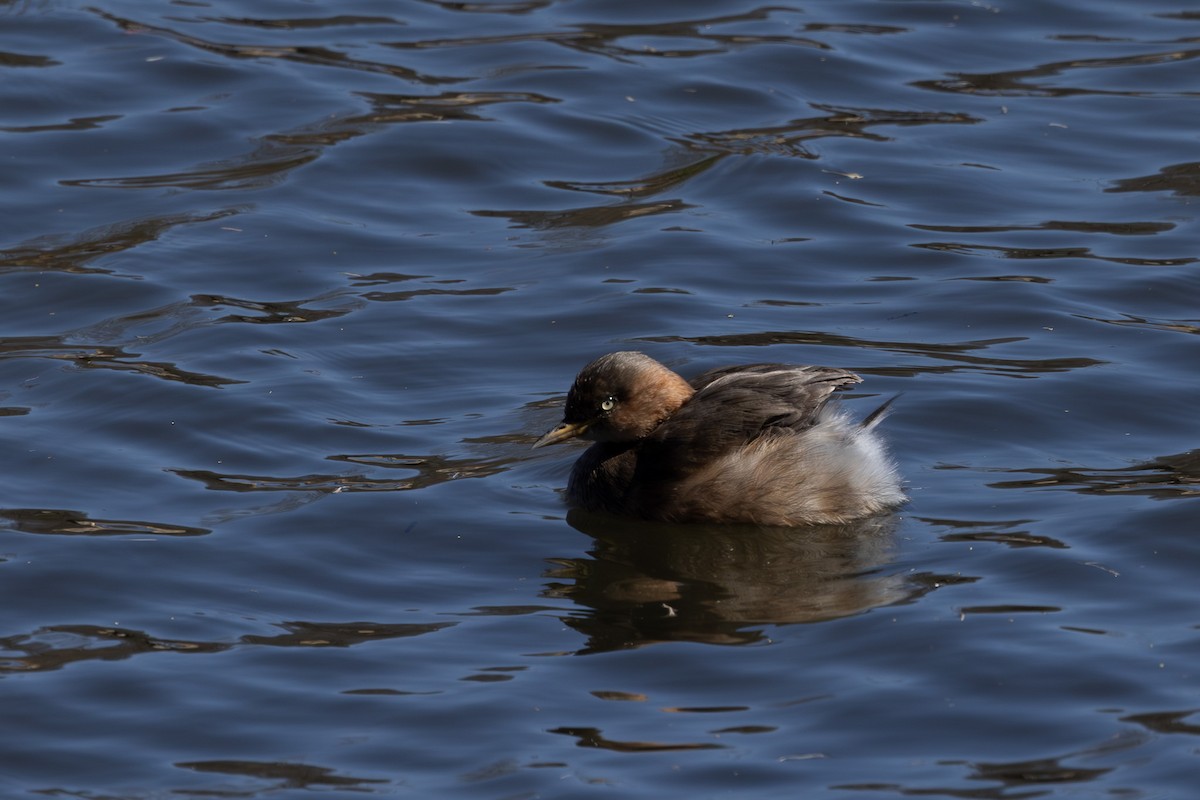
{"points": [[608, 404]]}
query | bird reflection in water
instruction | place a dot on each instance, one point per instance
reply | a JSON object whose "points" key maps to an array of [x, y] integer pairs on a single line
{"points": [[647, 582]]}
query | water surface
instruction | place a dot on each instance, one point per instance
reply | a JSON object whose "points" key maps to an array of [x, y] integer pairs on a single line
{"points": [[288, 290]]}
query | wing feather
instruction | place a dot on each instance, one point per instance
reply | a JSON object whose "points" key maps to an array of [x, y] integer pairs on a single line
{"points": [[732, 407]]}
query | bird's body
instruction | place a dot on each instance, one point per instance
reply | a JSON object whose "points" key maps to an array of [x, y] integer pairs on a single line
{"points": [[759, 443]]}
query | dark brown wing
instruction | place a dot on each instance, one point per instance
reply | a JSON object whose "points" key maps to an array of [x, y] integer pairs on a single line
{"points": [[807, 373], [732, 407]]}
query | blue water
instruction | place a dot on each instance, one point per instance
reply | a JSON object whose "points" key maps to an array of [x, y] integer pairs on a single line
{"points": [[288, 290]]}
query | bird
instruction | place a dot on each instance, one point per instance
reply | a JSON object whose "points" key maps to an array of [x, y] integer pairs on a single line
{"points": [[755, 444]]}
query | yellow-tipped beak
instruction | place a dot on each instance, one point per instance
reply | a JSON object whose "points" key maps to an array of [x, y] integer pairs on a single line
{"points": [[562, 432]]}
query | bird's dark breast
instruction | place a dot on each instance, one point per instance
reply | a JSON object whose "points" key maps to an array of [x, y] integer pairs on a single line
{"points": [[625, 480], [602, 478]]}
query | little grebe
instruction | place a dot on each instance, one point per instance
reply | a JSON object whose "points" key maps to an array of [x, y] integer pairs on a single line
{"points": [[759, 444]]}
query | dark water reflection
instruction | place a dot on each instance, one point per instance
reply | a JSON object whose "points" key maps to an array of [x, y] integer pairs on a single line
{"points": [[649, 582], [1172, 476], [74, 253], [63, 522], [1180, 179], [60, 645], [284, 775], [949, 351]]}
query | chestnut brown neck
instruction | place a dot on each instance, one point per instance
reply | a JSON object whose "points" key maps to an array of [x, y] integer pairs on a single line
{"points": [[657, 394]]}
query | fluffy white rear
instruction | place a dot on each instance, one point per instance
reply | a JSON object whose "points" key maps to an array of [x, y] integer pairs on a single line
{"points": [[835, 471]]}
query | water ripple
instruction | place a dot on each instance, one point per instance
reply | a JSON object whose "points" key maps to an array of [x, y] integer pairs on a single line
{"points": [[430, 471], [1182, 180], [1041, 253], [107, 357], [1021, 82], [58, 646], [282, 774], [303, 54], [74, 253], [608, 40], [1165, 477], [442, 208], [949, 351], [64, 522], [849, 122]]}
